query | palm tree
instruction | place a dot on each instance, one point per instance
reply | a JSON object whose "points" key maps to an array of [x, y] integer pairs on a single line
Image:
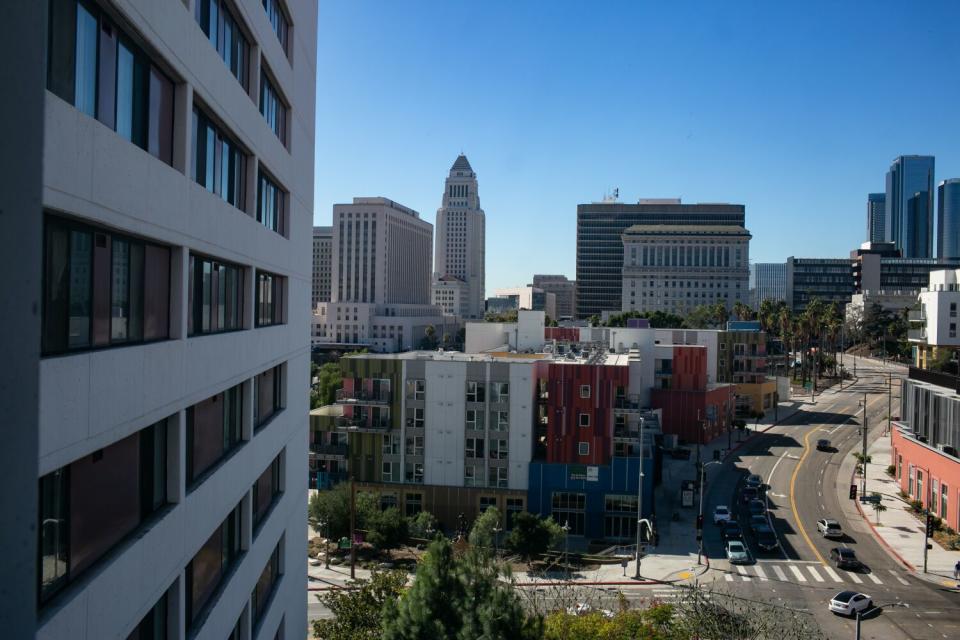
{"points": [[786, 324]]}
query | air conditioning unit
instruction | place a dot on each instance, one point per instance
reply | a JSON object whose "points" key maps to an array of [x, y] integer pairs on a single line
{"points": [[948, 449]]}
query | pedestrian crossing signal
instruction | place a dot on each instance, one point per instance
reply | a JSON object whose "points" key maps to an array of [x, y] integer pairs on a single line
{"points": [[853, 492]]}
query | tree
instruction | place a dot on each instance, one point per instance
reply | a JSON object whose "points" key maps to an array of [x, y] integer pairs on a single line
{"points": [[386, 529], [333, 509], [482, 535], [510, 315], [532, 535], [422, 525], [742, 311], [330, 378], [878, 506], [458, 598], [653, 623], [356, 611], [429, 341]]}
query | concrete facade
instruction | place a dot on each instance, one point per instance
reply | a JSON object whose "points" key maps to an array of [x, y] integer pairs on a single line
{"points": [[937, 320], [565, 290], [768, 281], [322, 264], [531, 298], [451, 295], [92, 400]]}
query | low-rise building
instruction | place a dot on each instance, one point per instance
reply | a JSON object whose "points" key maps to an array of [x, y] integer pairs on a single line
{"points": [[827, 279], [936, 321], [565, 290], [530, 298], [451, 295]]}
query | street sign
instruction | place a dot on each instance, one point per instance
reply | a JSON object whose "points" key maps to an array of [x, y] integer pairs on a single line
{"points": [[870, 499]]}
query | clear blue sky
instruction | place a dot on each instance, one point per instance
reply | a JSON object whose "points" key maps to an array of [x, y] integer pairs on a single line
{"points": [[795, 112]]}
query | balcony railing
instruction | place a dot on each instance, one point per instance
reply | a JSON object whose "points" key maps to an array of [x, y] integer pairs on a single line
{"points": [[363, 423], [362, 396], [917, 335], [916, 315], [329, 450]]}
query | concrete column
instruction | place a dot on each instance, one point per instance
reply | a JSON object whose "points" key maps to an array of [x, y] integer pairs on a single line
{"points": [[246, 425], [176, 609], [254, 84], [183, 124], [177, 457], [253, 168], [179, 292], [249, 299]]}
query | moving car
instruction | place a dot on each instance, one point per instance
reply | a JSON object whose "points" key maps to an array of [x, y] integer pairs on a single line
{"points": [[759, 521], [757, 507], [848, 603], [731, 531], [748, 493], [766, 538], [829, 528], [737, 552], [823, 445], [755, 481], [721, 514], [844, 558]]}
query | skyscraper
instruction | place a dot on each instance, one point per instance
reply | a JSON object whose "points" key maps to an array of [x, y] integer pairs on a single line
{"points": [[768, 281], [172, 415], [564, 289], [461, 236], [876, 211], [948, 219], [322, 264], [908, 212], [600, 227]]}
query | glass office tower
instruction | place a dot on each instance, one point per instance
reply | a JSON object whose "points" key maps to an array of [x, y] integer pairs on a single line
{"points": [[876, 205], [908, 216], [948, 219]]}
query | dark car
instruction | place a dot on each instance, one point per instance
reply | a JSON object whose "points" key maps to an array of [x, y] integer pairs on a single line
{"points": [[748, 493], [757, 507], [766, 538], [755, 481], [731, 531], [844, 558], [759, 521], [823, 445]]}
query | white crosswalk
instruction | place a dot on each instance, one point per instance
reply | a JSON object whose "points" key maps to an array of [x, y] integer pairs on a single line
{"points": [[803, 572]]}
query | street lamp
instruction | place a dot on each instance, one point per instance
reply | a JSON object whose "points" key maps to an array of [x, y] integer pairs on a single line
{"points": [[326, 541], [863, 482], [700, 518], [640, 519], [898, 603], [496, 535], [566, 546]]}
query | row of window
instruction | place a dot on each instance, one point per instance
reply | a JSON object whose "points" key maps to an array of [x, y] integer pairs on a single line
{"points": [[476, 476], [412, 472], [474, 448]]}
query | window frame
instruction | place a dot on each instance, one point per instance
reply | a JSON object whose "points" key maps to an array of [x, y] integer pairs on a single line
{"points": [[275, 312], [196, 303]]}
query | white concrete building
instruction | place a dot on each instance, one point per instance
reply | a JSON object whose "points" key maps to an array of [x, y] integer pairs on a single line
{"points": [[675, 268], [322, 264], [531, 298], [936, 321], [525, 335], [461, 236], [178, 200], [452, 295]]}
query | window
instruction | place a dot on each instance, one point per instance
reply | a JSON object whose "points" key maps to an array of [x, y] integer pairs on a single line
{"points": [[475, 419], [206, 571], [499, 421], [499, 392], [419, 389], [220, 27], [476, 392], [216, 296], [953, 309], [498, 449], [271, 204], [487, 502], [413, 472], [620, 516], [415, 418], [583, 448], [934, 492], [944, 496], [270, 299], [272, 107], [264, 587], [101, 288], [514, 506], [568, 509], [412, 504], [920, 495], [218, 163], [391, 444], [583, 419], [96, 67], [386, 472], [414, 446], [474, 476], [267, 394], [953, 329], [153, 626], [213, 430], [266, 489], [584, 391], [498, 477], [90, 505], [475, 447], [279, 22]]}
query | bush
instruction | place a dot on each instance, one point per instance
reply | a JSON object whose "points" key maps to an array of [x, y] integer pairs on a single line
{"points": [[891, 470], [423, 525], [916, 506]]}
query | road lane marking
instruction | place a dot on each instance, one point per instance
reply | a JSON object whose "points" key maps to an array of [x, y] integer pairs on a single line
{"points": [[854, 577], [832, 573], [875, 579], [793, 498], [760, 572], [742, 570], [813, 572], [728, 577], [780, 574], [796, 572], [897, 576]]}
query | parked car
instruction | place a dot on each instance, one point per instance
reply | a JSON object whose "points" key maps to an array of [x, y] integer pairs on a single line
{"points": [[748, 493], [848, 603], [829, 528], [731, 531], [844, 558], [766, 538], [823, 445], [755, 481], [759, 521], [757, 507], [737, 552], [721, 514]]}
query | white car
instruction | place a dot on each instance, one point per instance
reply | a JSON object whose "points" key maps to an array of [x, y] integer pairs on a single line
{"points": [[721, 514], [737, 553], [829, 528], [849, 603]]}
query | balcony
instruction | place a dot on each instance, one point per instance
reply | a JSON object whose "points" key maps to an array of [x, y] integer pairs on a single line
{"points": [[363, 424], [363, 397], [917, 335], [621, 434], [626, 404], [916, 315], [328, 451]]}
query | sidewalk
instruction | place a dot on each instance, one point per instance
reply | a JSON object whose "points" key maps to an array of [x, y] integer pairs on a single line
{"points": [[899, 531]]}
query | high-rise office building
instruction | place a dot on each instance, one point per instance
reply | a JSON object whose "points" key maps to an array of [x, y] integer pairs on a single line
{"points": [[908, 211], [827, 279], [322, 264], [600, 228], [768, 281], [461, 236], [564, 289], [876, 211], [177, 200], [948, 219]]}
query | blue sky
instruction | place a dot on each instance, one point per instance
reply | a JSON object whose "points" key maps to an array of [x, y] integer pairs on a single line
{"points": [[795, 112]]}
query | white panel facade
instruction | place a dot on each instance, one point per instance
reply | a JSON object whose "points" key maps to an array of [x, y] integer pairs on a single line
{"points": [[522, 404], [444, 435]]}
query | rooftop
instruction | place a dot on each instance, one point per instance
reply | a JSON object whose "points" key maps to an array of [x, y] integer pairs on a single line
{"points": [[461, 164]]}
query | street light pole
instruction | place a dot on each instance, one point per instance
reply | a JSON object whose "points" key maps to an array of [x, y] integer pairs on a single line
{"points": [[863, 465], [640, 501], [703, 468], [566, 546]]}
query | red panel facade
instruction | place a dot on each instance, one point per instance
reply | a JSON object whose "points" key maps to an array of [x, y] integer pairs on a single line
{"points": [[567, 410], [685, 412], [564, 334], [689, 367], [934, 467]]}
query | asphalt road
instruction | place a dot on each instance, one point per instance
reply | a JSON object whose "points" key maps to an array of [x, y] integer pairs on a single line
{"points": [[803, 485]]}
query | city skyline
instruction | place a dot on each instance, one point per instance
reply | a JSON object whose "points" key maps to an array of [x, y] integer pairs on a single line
{"points": [[816, 158]]}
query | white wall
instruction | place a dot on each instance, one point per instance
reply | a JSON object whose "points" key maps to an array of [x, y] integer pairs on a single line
{"points": [[521, 424], [445, 415], [484, 336]]}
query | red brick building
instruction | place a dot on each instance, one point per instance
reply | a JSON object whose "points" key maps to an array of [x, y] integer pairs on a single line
{"points": [[927, 474], [693, 409]]}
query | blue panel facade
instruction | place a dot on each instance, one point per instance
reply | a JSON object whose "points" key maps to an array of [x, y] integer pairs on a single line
{"points": [[595, 482]]}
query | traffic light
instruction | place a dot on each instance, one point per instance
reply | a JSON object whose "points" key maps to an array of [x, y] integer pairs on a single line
{"points": [[853, 492], [700, 522], [930, 527]]}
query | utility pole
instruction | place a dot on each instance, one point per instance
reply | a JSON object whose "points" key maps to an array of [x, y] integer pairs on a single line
{"points": [[863, 484], [353, 525], [889, 399], [640, 502], [858, 625], [926, 531]]}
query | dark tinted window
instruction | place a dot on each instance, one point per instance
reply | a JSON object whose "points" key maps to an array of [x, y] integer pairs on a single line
{"points": [[218, 163], [217, 21], [265, 490], [267, 394], [271, 290], [271, 204], [216, 296], [213, 430], [208, 568]]}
